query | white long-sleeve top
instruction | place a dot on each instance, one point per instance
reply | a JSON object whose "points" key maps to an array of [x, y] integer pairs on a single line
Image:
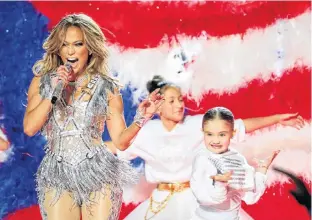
{"points": [[169, 155], [223, 201]]}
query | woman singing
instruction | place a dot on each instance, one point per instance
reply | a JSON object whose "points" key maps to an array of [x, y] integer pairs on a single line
{"points": [[78, 175]]}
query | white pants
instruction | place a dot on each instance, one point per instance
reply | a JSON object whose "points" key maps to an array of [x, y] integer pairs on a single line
{"points": [[180, 206], [242, 216]]}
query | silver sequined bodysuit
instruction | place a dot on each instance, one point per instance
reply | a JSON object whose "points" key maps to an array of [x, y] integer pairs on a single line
{"points": [[76, 159]]}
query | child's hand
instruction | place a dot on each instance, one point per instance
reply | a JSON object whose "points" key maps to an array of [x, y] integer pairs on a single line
{"points": [[263, 165], [292, 120], [222, 177]]}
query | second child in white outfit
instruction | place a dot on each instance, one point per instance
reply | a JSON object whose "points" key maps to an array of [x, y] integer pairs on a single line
{"points": [[221, 176]]}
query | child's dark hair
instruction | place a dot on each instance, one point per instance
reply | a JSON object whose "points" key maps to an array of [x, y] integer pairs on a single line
{"points": [[159, 82], [218, 113]]}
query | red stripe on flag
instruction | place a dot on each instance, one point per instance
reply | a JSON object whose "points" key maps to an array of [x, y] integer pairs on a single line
{"points": [[143, 24], [277, 204], [290, 93]]}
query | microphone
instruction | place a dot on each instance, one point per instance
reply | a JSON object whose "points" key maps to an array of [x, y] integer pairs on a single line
{"points": [[60, 86]]}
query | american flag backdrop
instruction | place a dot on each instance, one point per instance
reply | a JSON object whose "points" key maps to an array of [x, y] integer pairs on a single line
{"points": [[252, 57]]}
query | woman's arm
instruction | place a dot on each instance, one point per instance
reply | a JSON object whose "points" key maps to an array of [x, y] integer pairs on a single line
{"points": [[293, 120], [37, 109], [121, 136]]}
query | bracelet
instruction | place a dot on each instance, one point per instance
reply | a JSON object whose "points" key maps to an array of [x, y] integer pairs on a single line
{"points": [[261, 164], [140, 119], [52, 97]]}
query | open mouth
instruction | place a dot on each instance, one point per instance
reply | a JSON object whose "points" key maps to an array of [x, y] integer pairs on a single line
{"points": [[72, 60]]}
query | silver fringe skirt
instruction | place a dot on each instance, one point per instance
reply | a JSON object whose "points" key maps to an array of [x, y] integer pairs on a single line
{"points": [[93, 174]]}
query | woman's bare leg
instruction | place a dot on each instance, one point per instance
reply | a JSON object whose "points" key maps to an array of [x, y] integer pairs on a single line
{"points": [[63, 209], [102, 208]]}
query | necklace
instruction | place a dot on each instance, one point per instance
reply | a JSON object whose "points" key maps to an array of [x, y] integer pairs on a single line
{"points": [[79, 81], [159, 206]]}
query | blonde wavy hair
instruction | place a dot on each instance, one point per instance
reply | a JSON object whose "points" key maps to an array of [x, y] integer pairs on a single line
{"points": [[93, 37]]}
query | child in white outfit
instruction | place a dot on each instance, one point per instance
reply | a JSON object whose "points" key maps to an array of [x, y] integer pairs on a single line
{"points": [[221, 176]]}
